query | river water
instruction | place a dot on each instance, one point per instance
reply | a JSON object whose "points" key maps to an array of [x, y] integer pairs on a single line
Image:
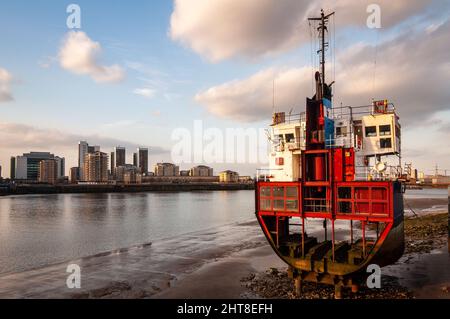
{"points": [[39, 230], [427, 193]]}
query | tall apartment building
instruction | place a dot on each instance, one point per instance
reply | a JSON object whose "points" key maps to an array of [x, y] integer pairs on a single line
{"points": [[166, 170], [201, 171], [143, 160], [60, 167], [121, 156], [83, 149], [21, 168], [48, 171], [96, 167], [93, 149], [113, 163], [12, 168], [135, 159]]}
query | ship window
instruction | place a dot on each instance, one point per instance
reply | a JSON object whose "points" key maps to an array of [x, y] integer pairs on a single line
{"points": [[278, 192], [266, 204], [345, 193], [371, 131], [291, 205], [341, 131], [265, 191], [385, 130], [290, 138], [292, 192], [385, 143], [345, 207], [278, 204]]}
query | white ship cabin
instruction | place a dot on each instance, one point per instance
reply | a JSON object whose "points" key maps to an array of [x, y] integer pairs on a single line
{"points": [[373, 131]]}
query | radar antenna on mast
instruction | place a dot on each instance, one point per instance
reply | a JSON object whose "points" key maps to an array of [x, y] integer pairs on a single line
{"points": [[323, 28]]}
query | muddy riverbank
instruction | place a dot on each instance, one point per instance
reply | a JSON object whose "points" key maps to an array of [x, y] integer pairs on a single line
{"points": [[233, 261]]}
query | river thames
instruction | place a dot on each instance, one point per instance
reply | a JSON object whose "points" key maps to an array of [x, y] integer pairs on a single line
{"points": [[40, 230]]}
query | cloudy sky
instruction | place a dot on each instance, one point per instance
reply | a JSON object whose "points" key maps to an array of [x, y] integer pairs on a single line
{"points": [[138, 70]]}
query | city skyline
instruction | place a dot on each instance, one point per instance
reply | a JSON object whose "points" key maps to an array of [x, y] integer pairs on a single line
{"points": [[85, 150], [138, 84]]}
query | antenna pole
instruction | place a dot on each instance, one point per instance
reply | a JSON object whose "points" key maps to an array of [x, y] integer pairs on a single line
{"points": [[322, 30], [324, 19], [273, 96]]}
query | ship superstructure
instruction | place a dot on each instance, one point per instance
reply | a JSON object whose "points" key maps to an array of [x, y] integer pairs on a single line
{"points": [[373, 132], [331, 201]]}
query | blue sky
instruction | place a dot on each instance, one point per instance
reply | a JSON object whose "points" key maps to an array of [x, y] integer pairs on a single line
{"points": [[136, 36], [135, 33]]}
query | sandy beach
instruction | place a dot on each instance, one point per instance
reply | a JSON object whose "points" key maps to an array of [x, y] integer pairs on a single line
{"points": [[234, 261]]}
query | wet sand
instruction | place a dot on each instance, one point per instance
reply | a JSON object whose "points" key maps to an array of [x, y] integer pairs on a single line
{"points": [[223, 279], [425, 206], [228, 262], [145, 271]]}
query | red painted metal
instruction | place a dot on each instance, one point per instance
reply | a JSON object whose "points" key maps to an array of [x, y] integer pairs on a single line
{"points": [[338, 162], [349, 155], [279, 161], [319, 168]]}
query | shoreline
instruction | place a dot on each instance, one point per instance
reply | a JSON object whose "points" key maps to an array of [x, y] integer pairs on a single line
{"points": [[107, 189]]}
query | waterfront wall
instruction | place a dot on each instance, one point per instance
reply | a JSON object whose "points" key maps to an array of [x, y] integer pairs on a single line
{"points": [[153, 187]]}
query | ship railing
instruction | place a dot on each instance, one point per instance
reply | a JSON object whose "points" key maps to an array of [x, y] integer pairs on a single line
{"points": [[291, 145], [365, 173], [343, 140], [296, 118], [360, 110], [317, 205], [265, 174], [292, 119], [296, 144]]}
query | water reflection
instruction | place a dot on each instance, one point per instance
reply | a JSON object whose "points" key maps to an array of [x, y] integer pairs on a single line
{"points": [[44, 229]]}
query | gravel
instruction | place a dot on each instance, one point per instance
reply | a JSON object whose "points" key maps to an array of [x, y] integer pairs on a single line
{"points": [[426, 233]]}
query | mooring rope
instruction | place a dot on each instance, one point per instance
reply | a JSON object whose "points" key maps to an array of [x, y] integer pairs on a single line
{"points": [[412, 210]]}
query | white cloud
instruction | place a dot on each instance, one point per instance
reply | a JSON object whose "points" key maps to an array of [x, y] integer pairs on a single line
{"points": [[5, 86], [145, 92], [251, 99], [412, 71], [223, 29], [79, 54]]}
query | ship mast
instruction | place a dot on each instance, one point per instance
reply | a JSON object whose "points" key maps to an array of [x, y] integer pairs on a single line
{"points": [[323, 28]]}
